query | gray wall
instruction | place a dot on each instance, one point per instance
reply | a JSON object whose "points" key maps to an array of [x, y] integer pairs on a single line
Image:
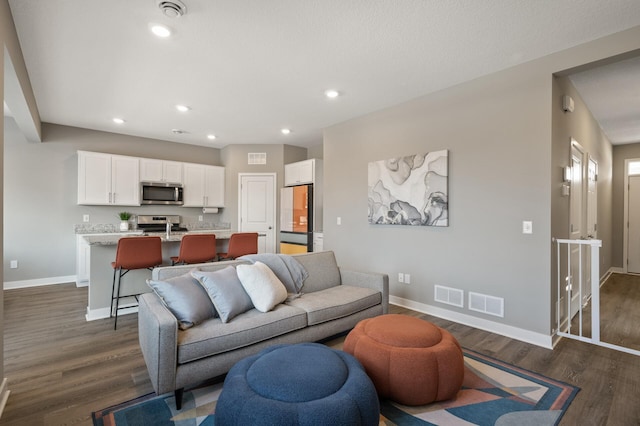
{"points": [[11, 54], [498, 130], [496, 180], [41, 190], [316, 151], [40, 193], [620, 154], [234, 158], [581, 126]]}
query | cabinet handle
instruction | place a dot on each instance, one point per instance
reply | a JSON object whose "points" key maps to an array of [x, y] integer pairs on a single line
{"points": [[109, 198]]}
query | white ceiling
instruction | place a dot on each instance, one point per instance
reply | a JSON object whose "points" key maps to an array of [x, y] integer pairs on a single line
{"points": [[612, 94], [247, 68]]}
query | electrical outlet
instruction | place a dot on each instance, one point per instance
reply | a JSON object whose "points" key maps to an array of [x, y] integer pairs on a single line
{"points": [[407, 278], [527, 227], [14, 264], [200, 218], [85, 218], [339, 220], [400, 277]]}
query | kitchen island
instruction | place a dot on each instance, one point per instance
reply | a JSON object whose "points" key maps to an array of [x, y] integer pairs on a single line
{"points": [[102, 251]]}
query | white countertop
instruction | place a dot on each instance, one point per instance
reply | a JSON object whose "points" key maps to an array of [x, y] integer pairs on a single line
{"points": [[108, 239]]}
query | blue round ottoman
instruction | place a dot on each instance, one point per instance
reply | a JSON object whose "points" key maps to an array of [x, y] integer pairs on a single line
{"points": [[302, 384]]}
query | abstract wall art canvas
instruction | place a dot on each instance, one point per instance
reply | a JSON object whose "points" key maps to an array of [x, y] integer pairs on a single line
{"points": [[411, 190]]}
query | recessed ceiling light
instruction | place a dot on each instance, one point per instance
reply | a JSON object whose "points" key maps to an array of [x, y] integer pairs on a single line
{"points": [[183, 108], [331, 93], [211, 136], [285, 131], [118, 120], [161, 31]]}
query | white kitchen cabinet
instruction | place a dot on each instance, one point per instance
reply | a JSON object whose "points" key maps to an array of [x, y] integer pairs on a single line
{"points": [[106, 179], [299, 173], [203, 185], [160, 171]]}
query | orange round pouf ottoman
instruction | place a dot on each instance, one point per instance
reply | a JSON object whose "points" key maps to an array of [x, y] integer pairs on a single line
{"points": [[409, 360]]}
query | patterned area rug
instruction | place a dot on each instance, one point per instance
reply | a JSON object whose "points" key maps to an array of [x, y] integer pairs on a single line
{"points": [[493, 393]]}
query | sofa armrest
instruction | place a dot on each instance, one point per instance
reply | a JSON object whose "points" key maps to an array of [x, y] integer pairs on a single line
{"points": [[370, 280], [158, 336]]}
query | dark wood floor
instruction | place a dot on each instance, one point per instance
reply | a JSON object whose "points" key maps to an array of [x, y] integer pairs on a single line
{"points": [[619, 312], [61, 368]]}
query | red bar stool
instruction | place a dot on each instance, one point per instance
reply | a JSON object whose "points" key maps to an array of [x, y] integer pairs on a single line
{"points": [[133, 253], [196, 248], [241, 243]]}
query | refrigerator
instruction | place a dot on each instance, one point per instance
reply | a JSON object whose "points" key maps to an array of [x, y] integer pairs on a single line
{"points": [[296, 219]]}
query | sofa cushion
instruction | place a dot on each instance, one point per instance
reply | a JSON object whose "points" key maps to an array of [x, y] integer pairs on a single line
{"points": [[225, 291], [336, 302], [213, 336], [185, 298], [288, 270], [322, 268], [262, 285]]}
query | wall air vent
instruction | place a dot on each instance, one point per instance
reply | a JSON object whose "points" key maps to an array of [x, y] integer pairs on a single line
{"points": [[172, 8], [486, 304], [448, 295], [257, 158]]}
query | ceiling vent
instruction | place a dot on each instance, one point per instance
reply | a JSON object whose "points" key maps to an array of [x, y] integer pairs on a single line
{"points": [[172, 8]]}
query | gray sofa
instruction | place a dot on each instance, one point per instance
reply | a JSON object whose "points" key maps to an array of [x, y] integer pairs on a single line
{"points": [[333, 301]]}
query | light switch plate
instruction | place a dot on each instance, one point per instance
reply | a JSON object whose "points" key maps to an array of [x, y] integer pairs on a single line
{"points": [[339, 220], [527, 227], [85, 218]]}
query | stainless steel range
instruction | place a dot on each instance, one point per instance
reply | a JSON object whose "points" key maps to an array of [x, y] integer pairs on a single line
{"points": [[158, 223]]}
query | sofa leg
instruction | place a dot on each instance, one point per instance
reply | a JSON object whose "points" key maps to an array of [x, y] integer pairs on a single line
{"points": [[178, 394]]}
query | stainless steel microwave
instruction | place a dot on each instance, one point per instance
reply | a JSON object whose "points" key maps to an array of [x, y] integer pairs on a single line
{"points": [[161, 193]]}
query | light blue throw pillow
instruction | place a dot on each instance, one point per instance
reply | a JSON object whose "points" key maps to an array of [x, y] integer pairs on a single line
{"points": [[225, 291], [185, 298]]}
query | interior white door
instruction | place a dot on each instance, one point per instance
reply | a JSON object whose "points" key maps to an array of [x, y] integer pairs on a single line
{"points": [[257, 209], [577, 225], [633, 230]]}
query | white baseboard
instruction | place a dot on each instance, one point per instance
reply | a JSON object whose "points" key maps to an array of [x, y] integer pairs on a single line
{"points": [[10, 285], [616, 270], [102, 313], [4, 395], [523, 335]]}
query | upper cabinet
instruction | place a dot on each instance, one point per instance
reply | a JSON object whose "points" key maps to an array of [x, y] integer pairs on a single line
{"points": [[203, 185], [106, 179], [114, 180], [299, 173], [160, 171]]}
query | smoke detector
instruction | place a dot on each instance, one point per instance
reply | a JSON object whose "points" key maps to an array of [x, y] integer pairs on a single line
{"points": [[172, 8]]}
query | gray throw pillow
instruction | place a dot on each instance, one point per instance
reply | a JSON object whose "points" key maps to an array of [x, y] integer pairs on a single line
{"points": [[226, 292], [185, 298]]}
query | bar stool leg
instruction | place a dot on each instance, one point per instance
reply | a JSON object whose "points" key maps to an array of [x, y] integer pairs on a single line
{"points": [[113, 292], [115, 323]]}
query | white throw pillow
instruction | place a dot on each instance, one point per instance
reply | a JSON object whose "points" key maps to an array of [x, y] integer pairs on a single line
{"points": [[261, 284]]}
